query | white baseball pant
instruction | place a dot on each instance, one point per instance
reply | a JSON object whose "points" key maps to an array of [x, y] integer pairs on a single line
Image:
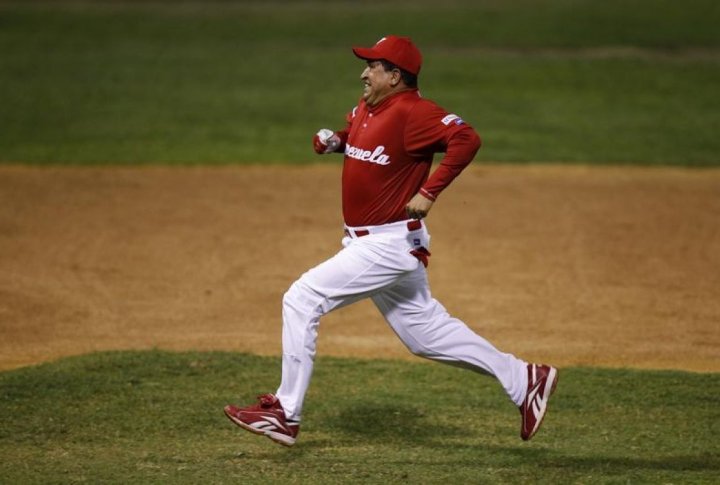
{"points": [[380, 266]]}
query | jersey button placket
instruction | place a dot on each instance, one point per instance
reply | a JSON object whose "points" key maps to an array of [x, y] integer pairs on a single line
{"points": [[367, 120]]}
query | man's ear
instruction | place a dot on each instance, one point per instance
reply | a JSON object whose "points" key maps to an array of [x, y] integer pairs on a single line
{"points": [[396, 77]]}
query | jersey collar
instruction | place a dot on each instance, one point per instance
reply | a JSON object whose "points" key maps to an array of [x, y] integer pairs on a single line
{"points": [[392, 99]]}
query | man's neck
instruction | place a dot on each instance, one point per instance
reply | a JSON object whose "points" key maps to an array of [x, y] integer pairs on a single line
{"points": [[390, 94]]}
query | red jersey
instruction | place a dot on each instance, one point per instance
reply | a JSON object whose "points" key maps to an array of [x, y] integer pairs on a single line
{"points": [[389, 150]]}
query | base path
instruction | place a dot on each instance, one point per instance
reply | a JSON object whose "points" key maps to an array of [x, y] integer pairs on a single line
{"points": [[566, 264]]}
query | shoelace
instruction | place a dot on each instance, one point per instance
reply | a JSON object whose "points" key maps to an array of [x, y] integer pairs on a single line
{"points": [[266, 400]]}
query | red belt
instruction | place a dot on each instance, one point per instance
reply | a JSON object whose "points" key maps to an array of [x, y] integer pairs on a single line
{"points": [[357, 233], [413, 225]]}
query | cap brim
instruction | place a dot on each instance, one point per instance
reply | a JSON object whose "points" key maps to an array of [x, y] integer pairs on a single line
{"points": [[366, 53]]}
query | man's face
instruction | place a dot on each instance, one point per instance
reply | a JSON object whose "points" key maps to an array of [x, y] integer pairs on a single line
{"points": [[377, 82]]}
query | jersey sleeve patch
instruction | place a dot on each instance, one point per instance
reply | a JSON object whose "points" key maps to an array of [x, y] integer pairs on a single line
{"points": [[452, 118]]}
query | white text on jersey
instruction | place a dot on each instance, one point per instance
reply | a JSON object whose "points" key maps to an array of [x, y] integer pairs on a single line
{"points": [[376, 156]]}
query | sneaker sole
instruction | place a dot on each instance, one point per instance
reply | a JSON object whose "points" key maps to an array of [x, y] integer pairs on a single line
{"points": [[276, 437], [280, 438], [243, 425], [552, 383]]}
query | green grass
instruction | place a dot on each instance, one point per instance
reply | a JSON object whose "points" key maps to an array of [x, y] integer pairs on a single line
{"points": [[243, 82], [156, 417]]}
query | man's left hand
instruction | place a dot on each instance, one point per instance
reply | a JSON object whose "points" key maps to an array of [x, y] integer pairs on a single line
{"points": [[418, 207]]}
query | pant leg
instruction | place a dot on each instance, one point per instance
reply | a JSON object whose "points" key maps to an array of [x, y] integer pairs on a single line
{"points": [[428, 330], [362, 268]]}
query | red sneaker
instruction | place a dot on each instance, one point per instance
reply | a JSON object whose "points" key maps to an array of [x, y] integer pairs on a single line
{"points": [[266, 418], [542, 380]]}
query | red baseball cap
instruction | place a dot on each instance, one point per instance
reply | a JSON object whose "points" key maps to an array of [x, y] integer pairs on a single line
{"points": [[399, 50]]}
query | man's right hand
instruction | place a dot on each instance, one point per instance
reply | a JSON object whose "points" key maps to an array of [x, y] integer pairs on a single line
{"points": [[325, 141]]}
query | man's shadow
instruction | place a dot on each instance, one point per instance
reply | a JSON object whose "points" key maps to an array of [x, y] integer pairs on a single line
{"points": [[410, 425], [396, 422]]}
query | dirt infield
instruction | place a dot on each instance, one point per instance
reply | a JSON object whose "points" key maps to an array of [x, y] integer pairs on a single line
{"points": [[572, 265]]}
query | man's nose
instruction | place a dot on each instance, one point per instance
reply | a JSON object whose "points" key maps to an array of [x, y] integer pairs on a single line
{"points": [[364, 73]]}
